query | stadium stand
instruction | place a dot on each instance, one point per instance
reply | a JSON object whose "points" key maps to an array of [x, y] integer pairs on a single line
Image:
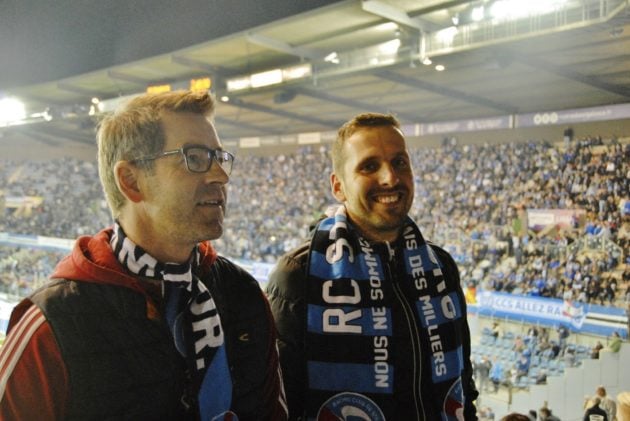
{"points": [[469, 198]]}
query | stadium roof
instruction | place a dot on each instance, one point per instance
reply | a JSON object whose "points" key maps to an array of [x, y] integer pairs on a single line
{"points": [[321, 66]]}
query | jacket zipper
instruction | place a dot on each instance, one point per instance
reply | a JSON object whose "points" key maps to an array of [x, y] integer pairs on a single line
{"points": [[415, 343]]}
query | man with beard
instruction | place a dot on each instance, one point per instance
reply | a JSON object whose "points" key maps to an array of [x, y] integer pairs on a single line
{"points": [[144, 321], [371, 317]]}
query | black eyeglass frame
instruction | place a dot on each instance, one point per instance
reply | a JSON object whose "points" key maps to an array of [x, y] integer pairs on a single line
{"points": [[218, 155]]}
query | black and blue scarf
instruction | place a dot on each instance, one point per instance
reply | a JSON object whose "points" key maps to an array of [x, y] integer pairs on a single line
{"points": [[194, 322], [350, 331]]}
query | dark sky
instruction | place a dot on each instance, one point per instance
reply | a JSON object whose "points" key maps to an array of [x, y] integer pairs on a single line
{"points": [[50, 40]]}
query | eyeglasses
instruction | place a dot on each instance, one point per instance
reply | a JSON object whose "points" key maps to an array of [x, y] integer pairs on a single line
{"points": [[198, 159]]}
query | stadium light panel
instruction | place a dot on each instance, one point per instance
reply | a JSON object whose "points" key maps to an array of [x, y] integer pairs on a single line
{"points": [[270, 77], [238, 84], [11, 111]]}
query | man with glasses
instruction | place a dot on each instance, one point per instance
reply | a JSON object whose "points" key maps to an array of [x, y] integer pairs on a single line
{"points": [[144, 320]]}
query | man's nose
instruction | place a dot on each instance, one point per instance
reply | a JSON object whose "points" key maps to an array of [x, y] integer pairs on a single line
{"points": [[216, 173], [388, 175]]}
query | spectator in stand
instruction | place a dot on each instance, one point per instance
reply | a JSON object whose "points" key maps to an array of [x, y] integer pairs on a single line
{"points": [[595, 350], [570, 359], [482, 371], [519, 344], [545, 414], [496, 331], [615, 342], [497, 374], [532, 334], [594, 412], [544, 334], [522, 365], [563, 334], [541, 377], [606, 402]]}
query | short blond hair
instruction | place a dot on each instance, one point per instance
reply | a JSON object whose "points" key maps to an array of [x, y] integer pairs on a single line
{"points": [[351, 126], [135, 130]]}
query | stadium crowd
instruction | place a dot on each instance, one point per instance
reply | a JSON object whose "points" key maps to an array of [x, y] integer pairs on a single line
{"points": [[469, 198]]}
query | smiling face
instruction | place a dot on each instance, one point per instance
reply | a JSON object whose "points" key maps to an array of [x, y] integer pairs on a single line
{"points": [[179, 208], [375, 182]]}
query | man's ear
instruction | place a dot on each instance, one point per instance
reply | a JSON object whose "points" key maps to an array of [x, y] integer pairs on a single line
{"points": [[337, 188], [127, 179]]}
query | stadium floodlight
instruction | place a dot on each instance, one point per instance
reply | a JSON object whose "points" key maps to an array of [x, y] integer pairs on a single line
{"points": [[238, 84], [270, 77], [12, 111]]}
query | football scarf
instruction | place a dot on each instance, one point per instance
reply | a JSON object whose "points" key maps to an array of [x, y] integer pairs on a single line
{"points": [[350, 329], [193, 320]]}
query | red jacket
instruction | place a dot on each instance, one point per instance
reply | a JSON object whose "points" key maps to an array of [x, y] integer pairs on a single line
{"points": [[34, 382]]}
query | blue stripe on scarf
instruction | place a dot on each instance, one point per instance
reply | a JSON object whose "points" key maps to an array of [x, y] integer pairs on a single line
{"points": [[328, 223], [343, 268], [213, 400], [175, 317], [346, 376], [369, 325]]}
